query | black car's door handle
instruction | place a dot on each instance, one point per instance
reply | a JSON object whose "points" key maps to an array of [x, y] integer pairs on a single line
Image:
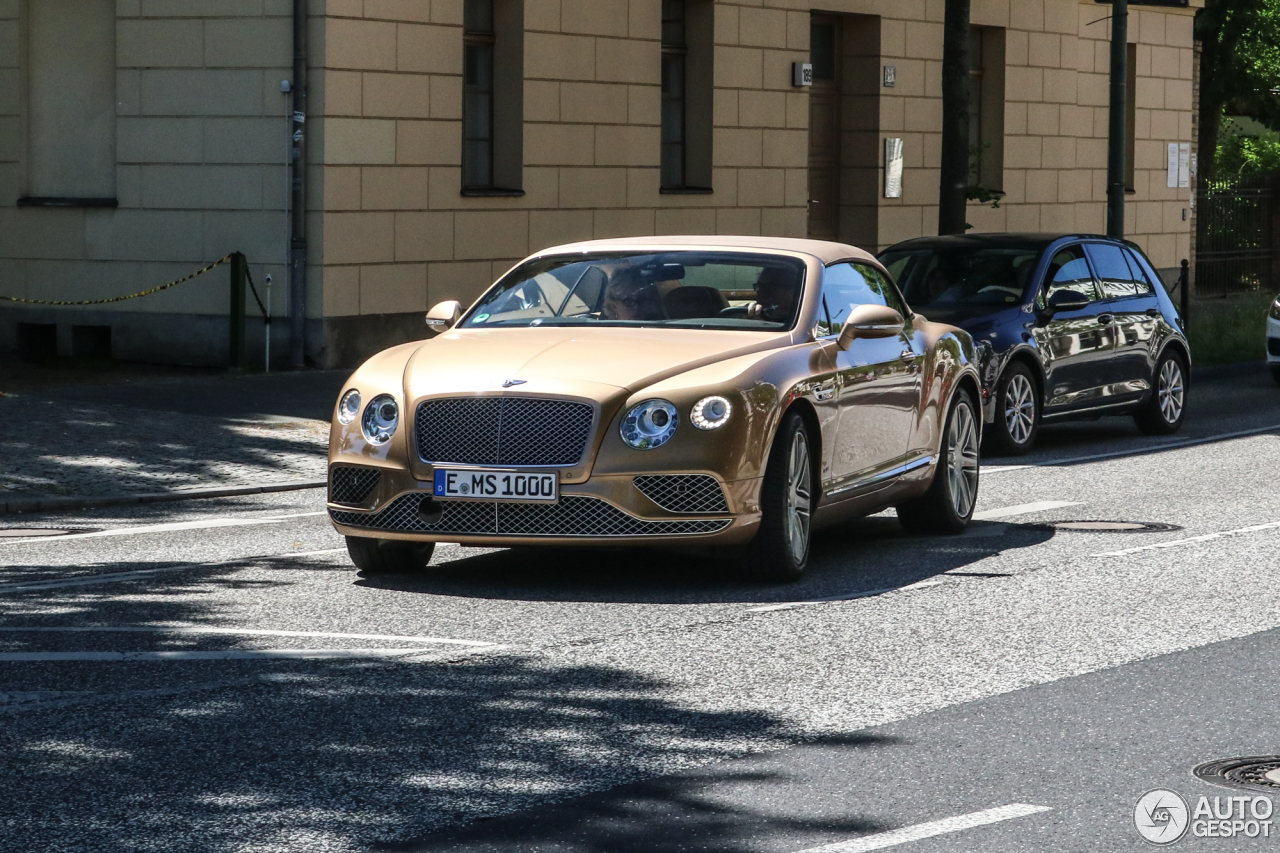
{"points": [[1106, 319]]}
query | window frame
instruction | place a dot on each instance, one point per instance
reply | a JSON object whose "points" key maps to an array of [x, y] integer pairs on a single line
{"points": [[1042, 297]]}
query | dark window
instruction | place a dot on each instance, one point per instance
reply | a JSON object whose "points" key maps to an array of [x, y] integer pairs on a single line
{"points": [[477, 95], [846, 286], [955, 277], [975, 104], [822, 50], [1070, 271], [1140, 280], [1114, 274], [674, 54]]}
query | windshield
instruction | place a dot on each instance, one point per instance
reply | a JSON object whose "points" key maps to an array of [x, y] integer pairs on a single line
{"points": [[699, 290], [962, 276]]}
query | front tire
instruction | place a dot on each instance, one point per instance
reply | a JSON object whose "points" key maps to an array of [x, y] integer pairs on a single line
{"points": [[1017, 412], [948, 505], [389, 556], [780, 550], [1163, 413]]}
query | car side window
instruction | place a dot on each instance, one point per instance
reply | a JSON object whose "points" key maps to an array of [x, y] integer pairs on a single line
{"points": [[1070, 271], [1142, 284], [1114, 273], [846, 286]]}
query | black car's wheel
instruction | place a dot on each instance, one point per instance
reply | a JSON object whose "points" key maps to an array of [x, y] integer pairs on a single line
{"points": [[1275, 373], [1163, 413], [948, 505], [389, 556], [780, 550], [1017, 412]]}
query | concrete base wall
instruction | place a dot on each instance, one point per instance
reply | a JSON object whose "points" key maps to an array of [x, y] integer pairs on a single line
{"points": [[202, 340]]}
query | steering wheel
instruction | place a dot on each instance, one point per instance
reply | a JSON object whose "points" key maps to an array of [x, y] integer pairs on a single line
{"points": [[735, 311]]}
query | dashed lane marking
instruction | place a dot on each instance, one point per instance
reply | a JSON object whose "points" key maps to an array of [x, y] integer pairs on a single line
{"points": [[244, 632], [849, 596], [1022, 509], [933, 828], [112, 577], [1139, 451], [1177, 543], [168, 527]]}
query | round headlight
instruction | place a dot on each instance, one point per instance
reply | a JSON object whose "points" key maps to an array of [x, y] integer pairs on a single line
{"points": [[711, 413], [380, 419], [349, 406], [650, 424]]}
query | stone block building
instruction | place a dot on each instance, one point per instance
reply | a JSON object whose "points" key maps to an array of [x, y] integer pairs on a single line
{"points": [[446, 139]]}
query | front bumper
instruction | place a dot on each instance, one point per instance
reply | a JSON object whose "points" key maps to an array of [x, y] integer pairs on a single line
{"points": [[601, 510]]}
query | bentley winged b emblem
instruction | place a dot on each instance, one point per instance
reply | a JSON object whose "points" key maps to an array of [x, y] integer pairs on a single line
{"points": [[511, 382]]}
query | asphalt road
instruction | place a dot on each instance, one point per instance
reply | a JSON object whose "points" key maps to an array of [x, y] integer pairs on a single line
{"points": [[213, 675]]}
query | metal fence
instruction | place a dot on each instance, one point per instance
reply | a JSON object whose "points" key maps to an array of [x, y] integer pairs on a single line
{"points": [[1237, 250]]}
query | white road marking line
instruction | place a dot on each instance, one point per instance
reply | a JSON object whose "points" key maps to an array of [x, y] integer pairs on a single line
{"points": [[881, 840], [140, 629], [845, 597], [230, 654], [1175, 543], [207, 524], [1115, 454], [111, 577], [1022, 509]]}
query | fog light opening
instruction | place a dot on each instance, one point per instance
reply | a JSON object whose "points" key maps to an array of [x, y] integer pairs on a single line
{"points": [[430, 511]]}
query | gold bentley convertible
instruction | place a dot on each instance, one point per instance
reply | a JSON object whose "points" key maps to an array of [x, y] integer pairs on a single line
{"points": [[729, 393]]}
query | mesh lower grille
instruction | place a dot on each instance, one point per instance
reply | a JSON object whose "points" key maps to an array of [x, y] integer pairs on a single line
{"points": [[694, 493], [350, 484], [502, 431], [573, 516]]}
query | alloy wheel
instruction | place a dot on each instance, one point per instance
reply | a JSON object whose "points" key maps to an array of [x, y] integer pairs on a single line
{"points": [[799, 485], [1172, 395], [962, 460], [1020, 408]]}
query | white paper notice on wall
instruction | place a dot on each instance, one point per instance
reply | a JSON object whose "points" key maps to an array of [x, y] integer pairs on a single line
{"points": [[1184, 165], [893, 168], [1173, 165]]}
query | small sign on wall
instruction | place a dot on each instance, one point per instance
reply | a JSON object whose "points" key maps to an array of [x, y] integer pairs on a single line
{"points": [[1179, 165], [890, 76], [893, 168], [801, 74]]}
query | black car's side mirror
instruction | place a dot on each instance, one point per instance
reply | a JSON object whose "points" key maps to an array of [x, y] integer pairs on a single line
{"points": [[1067, 300]]}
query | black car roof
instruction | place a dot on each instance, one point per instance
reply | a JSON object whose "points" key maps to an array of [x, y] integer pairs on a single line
{"points": [[1001, 240]]}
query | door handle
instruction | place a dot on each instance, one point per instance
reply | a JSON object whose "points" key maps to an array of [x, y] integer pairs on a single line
{"points": [[825, 391], [1106, 319], [1153, 312]]}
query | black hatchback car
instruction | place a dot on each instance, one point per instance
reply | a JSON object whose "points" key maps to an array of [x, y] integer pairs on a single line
{"points": [[1067, 326]]}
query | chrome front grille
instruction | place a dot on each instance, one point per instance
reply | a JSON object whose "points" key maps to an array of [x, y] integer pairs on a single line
{"points": [[573, 516], [691, 493], [513, 431], [352, 484]]}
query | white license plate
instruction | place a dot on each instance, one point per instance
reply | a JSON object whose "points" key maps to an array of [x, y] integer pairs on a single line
{"points": [[496, 486]]}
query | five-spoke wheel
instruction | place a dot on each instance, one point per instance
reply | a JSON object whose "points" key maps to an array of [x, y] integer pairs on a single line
{"points": [[1164, 411], [1017, 412]]}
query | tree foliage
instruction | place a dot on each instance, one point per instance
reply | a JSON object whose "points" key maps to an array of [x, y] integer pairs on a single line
{"points": [[1239, 67]]}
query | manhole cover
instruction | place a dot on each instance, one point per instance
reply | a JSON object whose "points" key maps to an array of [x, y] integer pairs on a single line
{"points": [[1258, 771], [34, 532], [1110, 526]]}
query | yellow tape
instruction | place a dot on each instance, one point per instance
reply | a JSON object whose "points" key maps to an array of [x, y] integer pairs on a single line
{"points": [[118, 298]]}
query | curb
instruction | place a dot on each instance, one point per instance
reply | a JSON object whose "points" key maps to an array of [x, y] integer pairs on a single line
{"points": [[24, 505]]}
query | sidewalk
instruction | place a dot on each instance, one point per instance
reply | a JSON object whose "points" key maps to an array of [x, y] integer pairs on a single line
{"points": [[101, 438]]}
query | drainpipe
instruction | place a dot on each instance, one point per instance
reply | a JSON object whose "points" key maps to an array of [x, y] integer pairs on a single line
{"points": [[298, 196], [1119, 117]]}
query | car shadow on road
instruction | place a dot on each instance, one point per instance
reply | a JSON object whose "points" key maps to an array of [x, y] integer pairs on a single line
{"points": [[862, 556]]}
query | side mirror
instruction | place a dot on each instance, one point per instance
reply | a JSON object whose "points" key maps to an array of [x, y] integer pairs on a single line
{"points": [[444, 316], [1068, 300], [871, 321]]}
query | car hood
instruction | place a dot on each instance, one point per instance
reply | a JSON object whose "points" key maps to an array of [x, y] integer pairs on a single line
{"points": [[595, 363]]}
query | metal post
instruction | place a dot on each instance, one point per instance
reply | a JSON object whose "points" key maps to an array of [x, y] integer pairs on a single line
{"points": [[266, 330], [1184, 293], [1119, 118], [298, 200], [238, 275]]}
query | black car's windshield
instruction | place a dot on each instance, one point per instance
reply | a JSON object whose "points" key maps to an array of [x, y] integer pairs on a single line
{"points": [[962, 276], [721, 290]]}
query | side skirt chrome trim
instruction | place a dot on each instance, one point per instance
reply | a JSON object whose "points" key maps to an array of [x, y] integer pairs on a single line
{"points": [[880, 478]]}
